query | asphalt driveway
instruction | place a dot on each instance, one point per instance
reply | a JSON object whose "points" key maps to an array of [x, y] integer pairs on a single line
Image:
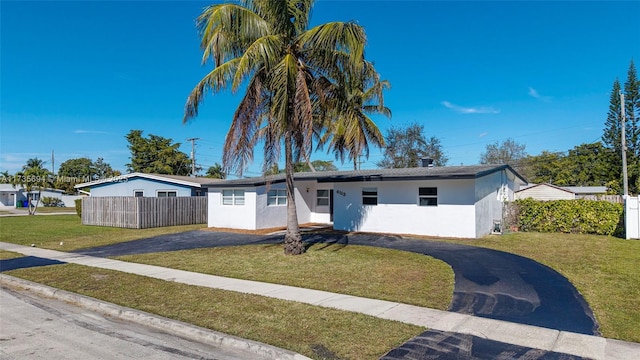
{"points": [[488, 283]]}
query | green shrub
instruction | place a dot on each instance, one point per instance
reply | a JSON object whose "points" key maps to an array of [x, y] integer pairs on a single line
{"points": [[79, 207], [570, 216], [51, 202]]}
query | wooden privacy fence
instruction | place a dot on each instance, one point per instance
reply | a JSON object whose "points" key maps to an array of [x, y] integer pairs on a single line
{"points": [[143, 212]]}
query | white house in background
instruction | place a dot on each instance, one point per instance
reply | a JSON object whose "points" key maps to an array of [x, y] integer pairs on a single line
{"points": [[15, 197], [546, 192], [148, 185], [457, 201]]}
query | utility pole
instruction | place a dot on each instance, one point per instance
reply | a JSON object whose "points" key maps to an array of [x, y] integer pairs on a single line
{"points": [[625, 181], [53, 164], [193, 155]]}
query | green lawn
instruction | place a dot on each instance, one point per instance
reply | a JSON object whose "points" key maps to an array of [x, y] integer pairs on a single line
{"points": [[605, 270], [49, 231], [355, 270], [319, 333]]}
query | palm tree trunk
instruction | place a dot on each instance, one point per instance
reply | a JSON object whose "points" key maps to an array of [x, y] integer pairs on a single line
{"points": [[292, 239]]}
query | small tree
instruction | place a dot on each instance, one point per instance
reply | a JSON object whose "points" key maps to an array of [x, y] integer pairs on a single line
{"points": [[216, 172], [508, 152], [33, 178], [406, 147]]}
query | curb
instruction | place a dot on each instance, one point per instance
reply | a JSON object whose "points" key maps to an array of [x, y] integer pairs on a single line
{"points": [[179, 328]]}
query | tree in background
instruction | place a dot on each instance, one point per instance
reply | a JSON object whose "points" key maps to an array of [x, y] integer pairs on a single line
{"points": [[613, 131], [547, 167], [216, 172], [508, 152], [304, 166], [286, 66], [156, 155], [406, 147], [353, 99], [33, 178], [75, 171]]}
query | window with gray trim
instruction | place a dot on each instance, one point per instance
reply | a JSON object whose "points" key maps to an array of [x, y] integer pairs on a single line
{"points": [[165, 193], [322, 197], [370, 196], [138, 193], [233, 197], [428, 196], [277, 197]]}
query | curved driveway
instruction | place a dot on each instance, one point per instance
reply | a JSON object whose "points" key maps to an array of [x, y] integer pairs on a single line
{"points": [[488, 283]]}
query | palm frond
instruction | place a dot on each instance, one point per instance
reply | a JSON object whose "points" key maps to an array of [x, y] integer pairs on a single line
{"points": [[227, 29], [261, 53], [214, 81]]}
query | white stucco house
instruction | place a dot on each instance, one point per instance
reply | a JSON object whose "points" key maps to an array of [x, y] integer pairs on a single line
{"points": [[148, 185], [456, 201], [16, 197]]}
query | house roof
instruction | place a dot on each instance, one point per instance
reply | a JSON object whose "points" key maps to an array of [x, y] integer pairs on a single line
{"points": [[572, 189], [545, 185], [175, 179], [419, 173]]}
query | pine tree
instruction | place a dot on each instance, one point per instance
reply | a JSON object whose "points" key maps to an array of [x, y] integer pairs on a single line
{"points": [[611, 135], [632, 110]]}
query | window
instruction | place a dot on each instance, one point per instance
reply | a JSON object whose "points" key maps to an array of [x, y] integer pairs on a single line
{"points": [[428, 196], [277, 197], [369, 196], [138, 193], [232, 197], [167, 194], [322, 197]]}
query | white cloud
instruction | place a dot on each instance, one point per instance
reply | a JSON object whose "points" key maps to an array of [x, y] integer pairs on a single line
{"points": [[483, 134], [80, 131], [535, 94], [470, 110]]}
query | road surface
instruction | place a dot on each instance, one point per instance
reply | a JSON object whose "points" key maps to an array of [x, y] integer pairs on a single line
{"points": [[39, 328]]}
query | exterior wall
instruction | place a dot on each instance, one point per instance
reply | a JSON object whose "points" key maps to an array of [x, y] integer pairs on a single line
{"points": [[268, 216], [632, 217], [545, 193], [127, 187], [488, 205], [232, 216], [398, 210]]}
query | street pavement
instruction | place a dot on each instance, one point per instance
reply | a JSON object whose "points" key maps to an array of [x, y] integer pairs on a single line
{"points": [[474, 337], [34, 327]]}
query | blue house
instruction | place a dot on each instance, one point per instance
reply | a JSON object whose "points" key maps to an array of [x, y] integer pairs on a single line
{"points": [[148, 185]]}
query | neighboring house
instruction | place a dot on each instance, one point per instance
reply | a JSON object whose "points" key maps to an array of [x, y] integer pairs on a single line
{"points": [[14, 197], [457, 201], [546, 192], [148, 185]]}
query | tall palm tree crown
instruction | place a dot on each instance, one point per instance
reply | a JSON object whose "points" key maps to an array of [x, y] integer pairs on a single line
{"points": [[287, 68]]}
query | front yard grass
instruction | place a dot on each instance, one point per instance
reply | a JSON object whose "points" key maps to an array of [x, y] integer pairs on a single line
{"points": [[606, 271], [355, 270], [319, 333], [48, 231]]}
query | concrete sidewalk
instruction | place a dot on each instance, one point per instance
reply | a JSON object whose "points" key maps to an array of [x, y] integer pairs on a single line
{"points": [[506, 332]]}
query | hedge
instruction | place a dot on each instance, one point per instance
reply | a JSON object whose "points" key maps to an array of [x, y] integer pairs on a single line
{"points": [[570, 216], [79, 207]]}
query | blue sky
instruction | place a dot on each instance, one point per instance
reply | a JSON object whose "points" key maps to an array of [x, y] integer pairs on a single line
{"points": [[77, 76]]}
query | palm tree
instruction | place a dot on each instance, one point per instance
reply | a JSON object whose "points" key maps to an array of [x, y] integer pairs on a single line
{"points": [[350, 130], [33, 177], [268, 45]]}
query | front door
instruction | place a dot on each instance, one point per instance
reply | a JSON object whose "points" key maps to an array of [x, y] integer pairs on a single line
{"points": [[331, 205]]}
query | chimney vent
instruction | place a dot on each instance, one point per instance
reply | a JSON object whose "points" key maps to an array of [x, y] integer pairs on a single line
{"points": [[427, 162]]}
